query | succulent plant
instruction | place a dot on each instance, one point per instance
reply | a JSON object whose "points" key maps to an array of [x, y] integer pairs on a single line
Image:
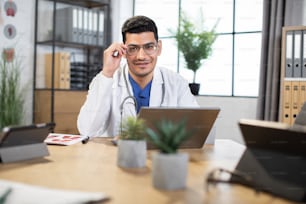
{"points": [[132, 128], [168, 135]]}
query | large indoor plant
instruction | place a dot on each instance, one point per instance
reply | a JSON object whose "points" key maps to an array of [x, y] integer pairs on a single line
{"points": [[195, 43], [11, 95], [169, 167], [132, 148]]}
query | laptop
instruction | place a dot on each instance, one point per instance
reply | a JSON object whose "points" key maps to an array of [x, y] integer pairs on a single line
{"points": [[19, 143], [275, 158], [199, 120]]}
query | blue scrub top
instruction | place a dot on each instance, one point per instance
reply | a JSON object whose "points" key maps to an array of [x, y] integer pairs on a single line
{"points": [[142, 95]]}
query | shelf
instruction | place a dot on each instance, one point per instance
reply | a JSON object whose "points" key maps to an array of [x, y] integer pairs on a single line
{"points": [[70, 58], [85, 3], [68, 44]]}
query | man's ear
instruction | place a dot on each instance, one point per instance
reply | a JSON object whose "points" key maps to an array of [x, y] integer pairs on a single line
{"points": [[160, 46]]}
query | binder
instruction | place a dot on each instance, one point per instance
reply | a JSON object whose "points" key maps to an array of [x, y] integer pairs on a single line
{"points": [[302, 97], [66, 24], [67, 70], [85, 26], [289, 54], [80, 25], [297, 68], [304, 54], [90, 27], [295, 102], [95, 27], [60, 73], [286, 105], [101, 29]]}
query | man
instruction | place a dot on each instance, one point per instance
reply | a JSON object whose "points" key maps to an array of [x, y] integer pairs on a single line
{"points": [[119, 91]]}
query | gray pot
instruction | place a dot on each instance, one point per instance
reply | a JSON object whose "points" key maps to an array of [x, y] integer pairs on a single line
{"points": [[169, 171], [132, 153]]}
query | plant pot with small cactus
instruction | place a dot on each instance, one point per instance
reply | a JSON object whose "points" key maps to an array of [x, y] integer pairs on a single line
{"points": [[169, 167], [132, 149]]}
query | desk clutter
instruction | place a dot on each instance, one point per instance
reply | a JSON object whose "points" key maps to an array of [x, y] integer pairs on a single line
{"points": [[15, 192], [64, 139]]}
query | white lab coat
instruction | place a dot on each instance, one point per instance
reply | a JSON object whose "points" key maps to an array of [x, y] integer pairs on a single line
{"points": [[101, 114]]}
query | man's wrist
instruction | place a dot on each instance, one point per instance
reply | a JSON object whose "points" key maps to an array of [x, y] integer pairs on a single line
{"points": [[107, 74]]}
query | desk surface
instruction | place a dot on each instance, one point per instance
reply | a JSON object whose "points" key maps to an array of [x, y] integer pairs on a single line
{"points": [[92, 167]]}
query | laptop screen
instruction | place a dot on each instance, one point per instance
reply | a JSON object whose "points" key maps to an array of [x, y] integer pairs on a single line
{"points": [[199, 120]]}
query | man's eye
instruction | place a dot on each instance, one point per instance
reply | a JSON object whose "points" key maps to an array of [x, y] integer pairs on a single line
{"points": [[149, 47], [132, 49]]}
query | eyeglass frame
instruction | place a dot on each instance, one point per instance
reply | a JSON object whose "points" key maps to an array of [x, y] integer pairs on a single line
{"points": [[143, 47]]}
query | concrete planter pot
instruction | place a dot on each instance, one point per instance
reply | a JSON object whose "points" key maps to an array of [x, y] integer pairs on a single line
{"points": [[169, 171], [132, 153]]}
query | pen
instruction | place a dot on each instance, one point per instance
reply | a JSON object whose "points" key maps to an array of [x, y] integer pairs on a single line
{"points": [[115, 54], [85, 140]]}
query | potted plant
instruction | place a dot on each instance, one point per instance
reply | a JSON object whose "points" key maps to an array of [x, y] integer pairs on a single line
{"points": [[195, 43], [11, 95], [132, 147], [169, 167]]}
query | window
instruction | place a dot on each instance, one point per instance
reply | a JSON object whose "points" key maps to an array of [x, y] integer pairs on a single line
{"points": [[233, 67]]}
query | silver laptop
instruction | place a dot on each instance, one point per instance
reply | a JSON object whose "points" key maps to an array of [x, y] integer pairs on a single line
{"points": [[199, 120]]}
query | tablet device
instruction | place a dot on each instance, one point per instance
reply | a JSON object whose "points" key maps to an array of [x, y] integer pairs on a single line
{"points": [[24, 135], [275, 158], [199, 120]]}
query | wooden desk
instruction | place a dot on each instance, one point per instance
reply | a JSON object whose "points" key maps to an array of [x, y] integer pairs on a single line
{"points": [[92, 167]]}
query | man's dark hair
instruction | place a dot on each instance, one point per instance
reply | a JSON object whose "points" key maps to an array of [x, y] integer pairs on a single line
{"points": [[139, 24]]}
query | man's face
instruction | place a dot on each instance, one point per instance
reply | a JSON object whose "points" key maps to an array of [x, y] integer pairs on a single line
{"points": [[142, 62]]}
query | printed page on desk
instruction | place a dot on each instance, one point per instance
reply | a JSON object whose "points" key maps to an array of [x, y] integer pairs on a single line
{"points": [[63, 139], [23, 193]]}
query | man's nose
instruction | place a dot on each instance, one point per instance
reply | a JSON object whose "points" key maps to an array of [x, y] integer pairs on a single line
{"points": [[141, 53]]}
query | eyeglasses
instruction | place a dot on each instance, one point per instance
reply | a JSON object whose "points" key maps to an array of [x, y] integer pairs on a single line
{"points": [[235, 177], [149, 49]]}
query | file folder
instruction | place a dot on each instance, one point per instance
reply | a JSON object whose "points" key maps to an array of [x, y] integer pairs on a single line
{"points": [[297, 68], [101, 29], [85, 26], [60, 70], [95, 27], [67, 70], [91, 27], [295, 100], [289, 54], [286, 105], [304, 54], [80, 25], [302, 97]]}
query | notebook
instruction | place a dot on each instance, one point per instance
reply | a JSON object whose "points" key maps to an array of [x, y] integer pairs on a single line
{"points": [[275, 158], [200, 120]]}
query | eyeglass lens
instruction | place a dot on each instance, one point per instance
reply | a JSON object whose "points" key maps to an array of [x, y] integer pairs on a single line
{"points": [[149, 49]]}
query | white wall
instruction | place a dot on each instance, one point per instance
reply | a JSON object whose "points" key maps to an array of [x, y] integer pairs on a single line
{"points": [[232, 110], [23, 44]]}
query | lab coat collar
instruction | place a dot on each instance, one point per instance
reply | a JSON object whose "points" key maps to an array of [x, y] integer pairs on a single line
{"points": [[157, 92]]}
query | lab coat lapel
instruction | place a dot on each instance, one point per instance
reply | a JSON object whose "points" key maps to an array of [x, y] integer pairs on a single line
{"points": [[156, 88]]}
